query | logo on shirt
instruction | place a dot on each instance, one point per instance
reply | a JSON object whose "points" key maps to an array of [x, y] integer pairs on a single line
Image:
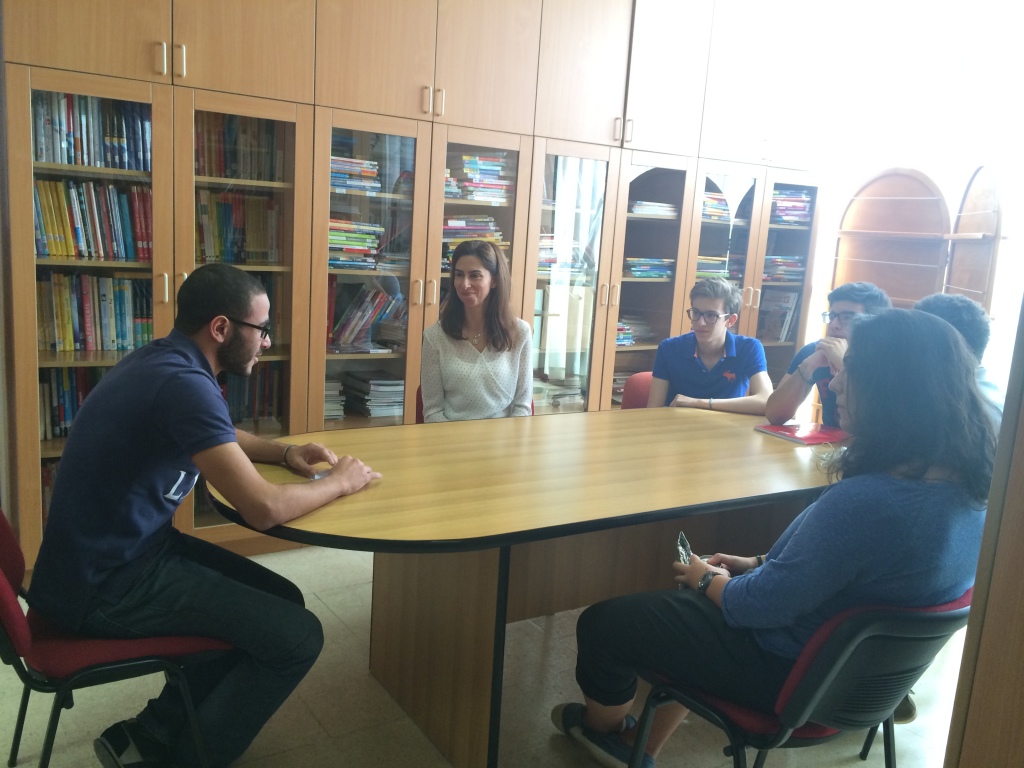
{"points": [[729, 376], [182, 487]]}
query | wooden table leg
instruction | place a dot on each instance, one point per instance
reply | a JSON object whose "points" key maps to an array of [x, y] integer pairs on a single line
{"points": [[437, 645]]}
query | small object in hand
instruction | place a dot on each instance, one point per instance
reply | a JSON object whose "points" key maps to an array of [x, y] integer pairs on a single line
{"points": [[684, 549], [321, 475]]}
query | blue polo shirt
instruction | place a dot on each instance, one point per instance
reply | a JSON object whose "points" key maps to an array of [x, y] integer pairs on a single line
{"points": [[821, 377], [124, 470], [678, 363]]}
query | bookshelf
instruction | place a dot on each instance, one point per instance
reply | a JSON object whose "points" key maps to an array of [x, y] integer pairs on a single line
{"points": [[649, 264], [893, 234], [974, 243], [369, 246], [90, 253], [572, 216], [243, 196]]}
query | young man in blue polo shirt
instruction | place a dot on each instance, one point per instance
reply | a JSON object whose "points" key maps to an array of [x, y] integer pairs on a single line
{"points": [[710, 367], [111, 563], [816, 363]]}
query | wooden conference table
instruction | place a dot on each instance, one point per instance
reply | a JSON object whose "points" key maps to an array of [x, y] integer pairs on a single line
{"points": [[477, 524]]}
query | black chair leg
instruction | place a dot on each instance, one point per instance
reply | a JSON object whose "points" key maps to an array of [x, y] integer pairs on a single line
{"points": [[59, 702], [193, 721], [19, 726], [889, 733], [868, 741], [762, 755], [643, 730]]}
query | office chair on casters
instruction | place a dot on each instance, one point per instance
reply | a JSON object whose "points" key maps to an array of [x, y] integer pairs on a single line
{"points": [[50, 660], [636, 389], [851, 675]]}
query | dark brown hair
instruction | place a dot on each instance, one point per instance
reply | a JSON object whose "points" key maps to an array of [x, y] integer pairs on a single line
{"points": [[499, 322]]}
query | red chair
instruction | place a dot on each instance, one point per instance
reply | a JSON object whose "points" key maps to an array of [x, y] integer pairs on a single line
{"points": [[636, 390], [50, 660], [851, 675]]}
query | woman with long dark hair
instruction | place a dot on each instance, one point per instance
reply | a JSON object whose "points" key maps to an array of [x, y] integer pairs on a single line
{"points": [[477, 357], [901, 526]]}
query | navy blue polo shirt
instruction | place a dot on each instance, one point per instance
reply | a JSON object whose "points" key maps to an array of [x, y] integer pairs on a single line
{"points": [[678, 363], [125, 469], [821, 377]]}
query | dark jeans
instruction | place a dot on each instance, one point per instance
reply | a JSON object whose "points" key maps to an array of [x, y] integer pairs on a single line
{"points": [[196, 588], [677, 634]]}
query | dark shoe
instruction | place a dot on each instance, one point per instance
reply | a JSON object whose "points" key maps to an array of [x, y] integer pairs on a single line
{"points": [[608, 749], [126, 745], [905, 712]]}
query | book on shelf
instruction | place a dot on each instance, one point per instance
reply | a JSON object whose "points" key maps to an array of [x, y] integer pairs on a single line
{"points": [[805, 434], [70, 129], [776, 313]]}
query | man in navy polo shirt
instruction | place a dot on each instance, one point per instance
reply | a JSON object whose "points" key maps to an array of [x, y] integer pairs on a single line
{"points": [[816, 363], [112, 565], [710, 367]]}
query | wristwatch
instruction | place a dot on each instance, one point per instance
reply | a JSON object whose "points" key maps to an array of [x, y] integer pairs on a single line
{"points": [[705, 581]]}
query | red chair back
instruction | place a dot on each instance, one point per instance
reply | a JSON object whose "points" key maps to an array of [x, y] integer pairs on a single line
{"points": [[12, 562], [636, 390]]}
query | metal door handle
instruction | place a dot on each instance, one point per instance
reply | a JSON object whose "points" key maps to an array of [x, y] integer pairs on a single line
{"points": [[419, 293], [440, 101], [746, 300], [757, 299], [615, 294], [604, 294], [433, 293], [617, 130], [167, 287], [428, 99], [629, 131], [182, 73], [162, 66]]}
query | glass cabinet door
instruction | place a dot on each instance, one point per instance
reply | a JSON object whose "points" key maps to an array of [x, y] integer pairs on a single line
{"points": [[647, 285], [368, 263], [787, 244], [726, 229], [476, 180], [570, 289]]}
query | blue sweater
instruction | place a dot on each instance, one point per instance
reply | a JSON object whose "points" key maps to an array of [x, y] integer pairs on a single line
{"points": [[869, 540]]}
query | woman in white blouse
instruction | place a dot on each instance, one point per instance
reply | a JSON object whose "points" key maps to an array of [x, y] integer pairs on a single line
{"points": [[476, 358]]}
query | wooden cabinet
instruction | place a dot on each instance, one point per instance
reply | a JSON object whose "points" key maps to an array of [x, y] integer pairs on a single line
{"points": [[242, 195], [893, 234], [88, 231], [255, 47], [667, 70], [376, 56], [370, 178], [568, 270], [120, 38], [974, 242], [422, 59], [648, 275], [581, 85]]}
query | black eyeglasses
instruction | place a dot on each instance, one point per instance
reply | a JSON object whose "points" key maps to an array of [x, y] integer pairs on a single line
{"points": [[842, 317], [710, 318], [263, 329]]}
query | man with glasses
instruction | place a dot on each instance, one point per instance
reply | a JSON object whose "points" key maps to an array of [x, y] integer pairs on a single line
{"points": [[710, 367], [111, 563], [816, 364]]}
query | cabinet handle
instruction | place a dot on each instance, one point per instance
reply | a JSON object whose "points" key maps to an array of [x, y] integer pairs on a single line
{"points": [[757, 298], [184, 276], [615, 294], [617, 130], [746, 300], [167, 288], [182, 73], [604, 294], [440, 101], [629, 131], [162, 66], [428, 99], [419, 293], [433, 292]]}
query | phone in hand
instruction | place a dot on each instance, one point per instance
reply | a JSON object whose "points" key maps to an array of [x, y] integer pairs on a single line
{"points": [[684, 549]]}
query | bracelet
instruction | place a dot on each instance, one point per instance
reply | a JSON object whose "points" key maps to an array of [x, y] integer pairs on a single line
{"points": [[705, 582], [284, 459], [710, 401], [760, 560]]}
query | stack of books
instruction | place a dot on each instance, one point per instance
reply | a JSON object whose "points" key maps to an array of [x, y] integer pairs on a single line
{"points": [[784, 269], [459, 230], [370, 306], [654, 209], [352, 237], [648, 268], [334, 398], [485, 178], [451, 186], [712, 266], [640, 329], [349, 173], [559, 255], [623, 335], [791, 206], [374, 393], [715, 207]]}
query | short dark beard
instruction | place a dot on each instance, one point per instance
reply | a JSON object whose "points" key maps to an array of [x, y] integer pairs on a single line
{"points": [[233, 355]]}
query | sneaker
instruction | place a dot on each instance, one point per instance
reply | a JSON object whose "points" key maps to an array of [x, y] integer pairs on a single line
{"points": [[608, 749], [906, 711], [126, 745]]}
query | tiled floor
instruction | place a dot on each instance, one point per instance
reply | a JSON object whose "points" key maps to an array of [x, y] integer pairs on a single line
{"points": [[340, 716]]}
